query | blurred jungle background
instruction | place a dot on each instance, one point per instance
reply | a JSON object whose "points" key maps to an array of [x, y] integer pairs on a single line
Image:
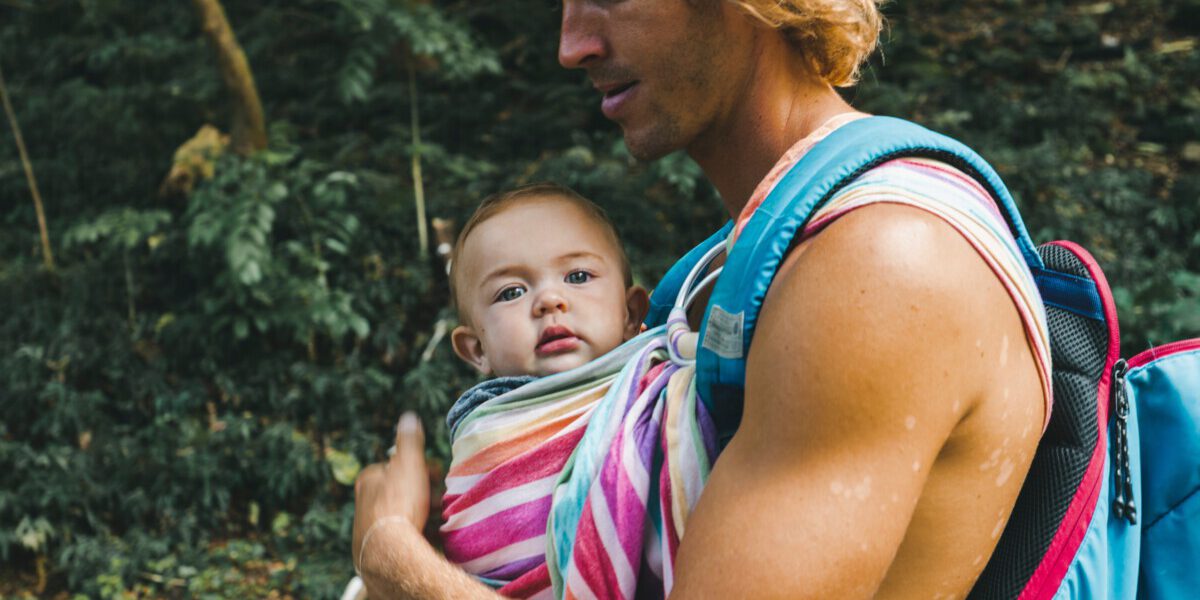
{"points": [[236, 289]]}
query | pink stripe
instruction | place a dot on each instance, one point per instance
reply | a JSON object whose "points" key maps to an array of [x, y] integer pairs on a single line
{"points": [[668, 515], [528, 584], [626, 504], [589, 558], [538, 463], [504, 528]]}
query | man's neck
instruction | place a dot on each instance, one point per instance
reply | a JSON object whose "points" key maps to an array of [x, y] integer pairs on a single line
{"points": [[782, 103]]}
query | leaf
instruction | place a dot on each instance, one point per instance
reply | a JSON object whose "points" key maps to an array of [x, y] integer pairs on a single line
{"points": [[281, 523], [335, 245], [345, 466]]}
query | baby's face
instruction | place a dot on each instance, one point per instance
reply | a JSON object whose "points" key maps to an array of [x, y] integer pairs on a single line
{"points": [[542, 290]]}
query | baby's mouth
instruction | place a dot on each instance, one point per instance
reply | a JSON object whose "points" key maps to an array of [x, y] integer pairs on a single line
{"points": [[556, 339]]}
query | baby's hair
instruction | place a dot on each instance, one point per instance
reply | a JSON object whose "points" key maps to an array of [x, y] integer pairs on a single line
{"points": [[499, 202]]}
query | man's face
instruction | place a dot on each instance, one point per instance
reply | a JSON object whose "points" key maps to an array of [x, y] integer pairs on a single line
{"points": [[543, 289], [668, 70]]}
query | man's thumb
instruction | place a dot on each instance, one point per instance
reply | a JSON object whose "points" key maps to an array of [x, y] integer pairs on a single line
{"points": [[410, 438]]}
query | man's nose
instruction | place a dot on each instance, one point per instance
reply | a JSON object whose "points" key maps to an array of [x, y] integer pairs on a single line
{"points": [[580, 41], [550, 301]]}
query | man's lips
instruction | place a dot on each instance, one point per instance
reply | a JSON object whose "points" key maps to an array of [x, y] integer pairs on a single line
{"points": [[556, 339], [616, 95]]}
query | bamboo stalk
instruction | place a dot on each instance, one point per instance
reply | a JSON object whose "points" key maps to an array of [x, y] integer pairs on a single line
{"points": [[47, 253], [418, 183]]}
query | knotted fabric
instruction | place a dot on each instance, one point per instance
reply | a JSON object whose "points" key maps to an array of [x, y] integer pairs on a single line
{"points": [[579, 484]]}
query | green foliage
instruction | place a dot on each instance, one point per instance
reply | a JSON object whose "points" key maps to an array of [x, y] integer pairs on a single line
{"points": [[188, 399]]}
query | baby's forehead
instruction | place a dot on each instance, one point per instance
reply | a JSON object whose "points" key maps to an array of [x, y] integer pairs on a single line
{"points": [[532, 232]]}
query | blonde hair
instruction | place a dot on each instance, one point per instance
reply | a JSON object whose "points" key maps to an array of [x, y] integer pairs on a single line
{"points": [[835, 36]]}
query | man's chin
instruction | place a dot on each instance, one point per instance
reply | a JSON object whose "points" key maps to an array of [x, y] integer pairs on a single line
{"points": [[646, 152], [649, 145]]}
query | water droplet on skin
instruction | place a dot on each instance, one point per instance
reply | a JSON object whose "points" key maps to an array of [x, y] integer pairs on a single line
{"points": [[863, 490], [863, 546], [978, 559], [995, 455], [836, 487], [1004, 351], [1006, 470], [957, 405], [999, 528], [916, 466], [910, 422], [895, 497]]}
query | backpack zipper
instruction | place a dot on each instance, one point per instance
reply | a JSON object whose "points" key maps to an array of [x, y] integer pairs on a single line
{"points": [[1123, 505], [1153, 354]]}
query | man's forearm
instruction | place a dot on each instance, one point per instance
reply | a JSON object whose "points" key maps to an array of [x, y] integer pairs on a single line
{"points": [[396, 562]]}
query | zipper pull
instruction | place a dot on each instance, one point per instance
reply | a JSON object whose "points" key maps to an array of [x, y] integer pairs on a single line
{"points": [[1123, 504]]}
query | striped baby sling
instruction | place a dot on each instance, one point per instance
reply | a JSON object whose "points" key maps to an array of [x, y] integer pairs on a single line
{"points": [[578, 485], [1109, 508]]}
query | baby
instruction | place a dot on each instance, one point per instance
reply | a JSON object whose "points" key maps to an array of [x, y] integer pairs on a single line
{"points": [[542, 287], [541, 284]]}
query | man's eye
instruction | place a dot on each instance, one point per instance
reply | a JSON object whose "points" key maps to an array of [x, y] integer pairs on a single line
{"points": [[578, 277], [509, 294]]}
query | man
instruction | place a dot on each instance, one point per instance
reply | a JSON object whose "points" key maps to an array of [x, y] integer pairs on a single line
{"points": [[889, 398]]}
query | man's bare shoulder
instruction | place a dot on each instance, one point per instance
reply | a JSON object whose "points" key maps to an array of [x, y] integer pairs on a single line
{"points": [[889, 285]]}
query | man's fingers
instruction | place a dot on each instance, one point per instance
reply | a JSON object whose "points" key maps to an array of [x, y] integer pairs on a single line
{"points": [[410, 441], [366, 477]]}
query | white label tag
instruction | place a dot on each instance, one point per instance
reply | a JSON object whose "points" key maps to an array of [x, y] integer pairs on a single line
{"points": [[724, 333]]}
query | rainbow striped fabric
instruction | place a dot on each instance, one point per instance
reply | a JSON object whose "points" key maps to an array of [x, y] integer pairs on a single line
{"points": [[578, 485]]}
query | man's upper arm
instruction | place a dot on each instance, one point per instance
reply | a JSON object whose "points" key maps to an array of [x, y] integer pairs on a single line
{"points": [[856, 378]]}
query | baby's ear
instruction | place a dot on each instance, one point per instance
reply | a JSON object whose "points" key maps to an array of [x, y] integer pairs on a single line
{"points": [[637, 304], [469, 347]]}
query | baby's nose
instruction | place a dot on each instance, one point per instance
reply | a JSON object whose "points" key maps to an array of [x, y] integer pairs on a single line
{"points": [[550, 301]]}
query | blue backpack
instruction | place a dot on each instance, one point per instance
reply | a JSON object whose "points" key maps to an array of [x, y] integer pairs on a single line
{"points": [[1110, 507]]}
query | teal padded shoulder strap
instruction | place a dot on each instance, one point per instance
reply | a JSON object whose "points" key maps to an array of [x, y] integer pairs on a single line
{"points": [[848, 152], [664, 294]]}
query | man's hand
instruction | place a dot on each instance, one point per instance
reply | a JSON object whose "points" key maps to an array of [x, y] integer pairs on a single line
{"points": [[391, 505], [396, 488]]}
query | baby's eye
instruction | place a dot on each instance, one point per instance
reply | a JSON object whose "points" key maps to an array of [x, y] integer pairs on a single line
{"points": [[577, 277], [509, 294]]}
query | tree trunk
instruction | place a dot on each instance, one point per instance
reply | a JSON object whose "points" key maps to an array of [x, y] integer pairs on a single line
{"points": [[249, 132], [47, 254]]}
